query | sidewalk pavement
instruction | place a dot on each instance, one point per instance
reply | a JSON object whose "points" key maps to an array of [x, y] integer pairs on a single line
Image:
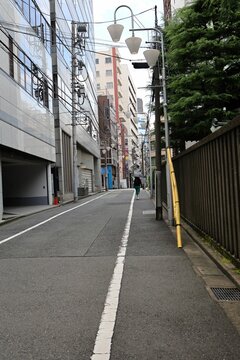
{"points": [[167, 307], [215, 271]]}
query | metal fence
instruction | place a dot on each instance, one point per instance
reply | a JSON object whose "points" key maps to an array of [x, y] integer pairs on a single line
{"points": [[208, 180]]}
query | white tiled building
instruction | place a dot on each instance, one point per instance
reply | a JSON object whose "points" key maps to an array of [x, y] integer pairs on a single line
{"points": [[130, 107], [36, 153], [27, 142]]}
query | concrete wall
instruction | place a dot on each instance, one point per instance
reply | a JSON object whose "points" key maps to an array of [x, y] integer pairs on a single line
{"points": [[1, 192], [25, 185]]}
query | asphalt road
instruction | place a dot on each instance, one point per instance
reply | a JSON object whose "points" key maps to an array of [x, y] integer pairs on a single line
{"points": [[56, 269]]}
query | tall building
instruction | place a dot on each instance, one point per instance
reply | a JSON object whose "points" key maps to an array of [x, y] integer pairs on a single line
{"points": [[27, 142], [167, 9], [108, 131], [170, 6], [114, 80], [38, 153], [130, 108], [80, 37]]}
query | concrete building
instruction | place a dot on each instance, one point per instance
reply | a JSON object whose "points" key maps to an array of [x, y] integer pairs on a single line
{"points": [[108, 131], [114, 80], [36, 123], [132, 149], [27, 142], [170, 6], [87, 128]]}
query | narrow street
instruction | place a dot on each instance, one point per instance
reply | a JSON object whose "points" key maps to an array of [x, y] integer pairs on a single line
{"points": [[102, 279]]}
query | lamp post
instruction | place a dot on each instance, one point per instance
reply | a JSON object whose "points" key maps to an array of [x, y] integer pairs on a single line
{"points": [[149, 149], [151, 56]]}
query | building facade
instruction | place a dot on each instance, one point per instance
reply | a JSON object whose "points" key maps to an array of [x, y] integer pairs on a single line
{"points": [[132, 149], [27, 142], [108, 131], [114, 80], [76, 38], [36, 108], [171, 6]]}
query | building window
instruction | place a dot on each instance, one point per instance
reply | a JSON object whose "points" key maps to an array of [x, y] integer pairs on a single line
{"points": [[40, 87], [97, 73], [98, 86], [108, 60], [97, 61], [109, 85], [37, 21], [108, 72], [5, 54], [19, 66], [11, 61]]}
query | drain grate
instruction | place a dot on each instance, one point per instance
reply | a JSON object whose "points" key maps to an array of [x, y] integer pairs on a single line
{"points": [[226, 294]]}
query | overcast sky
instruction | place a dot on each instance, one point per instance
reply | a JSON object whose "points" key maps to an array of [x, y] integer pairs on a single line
{"points": [[104, 12]]}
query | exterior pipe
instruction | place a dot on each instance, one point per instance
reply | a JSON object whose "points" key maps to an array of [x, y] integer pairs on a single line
{"points": [[176, 207]]}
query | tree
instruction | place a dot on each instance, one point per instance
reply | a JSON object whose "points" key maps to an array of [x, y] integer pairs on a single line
{"points": [[203, 56]]}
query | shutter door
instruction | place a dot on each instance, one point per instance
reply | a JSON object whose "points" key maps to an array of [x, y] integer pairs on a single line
{"points": [[86, 179]]}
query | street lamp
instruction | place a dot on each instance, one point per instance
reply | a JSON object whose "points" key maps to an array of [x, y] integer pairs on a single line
{"points": [[151, 56], [115, 31], [148, 134]]}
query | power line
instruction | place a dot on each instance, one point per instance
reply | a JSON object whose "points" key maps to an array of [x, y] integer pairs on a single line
{"points": [[49, 85], [61, 42], [107, 21], [67, 47]]}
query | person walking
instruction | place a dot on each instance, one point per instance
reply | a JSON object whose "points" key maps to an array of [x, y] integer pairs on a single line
{"points": [[137, 185]]}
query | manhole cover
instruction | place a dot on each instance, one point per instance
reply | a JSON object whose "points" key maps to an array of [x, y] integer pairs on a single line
{"points": [[226, 294]]}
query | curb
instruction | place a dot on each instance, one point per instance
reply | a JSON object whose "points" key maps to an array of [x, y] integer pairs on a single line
{"points": [[227, 268], [17, 216]]}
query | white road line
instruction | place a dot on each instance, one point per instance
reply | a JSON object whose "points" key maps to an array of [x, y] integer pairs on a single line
{"points": [[103, 342], [45, 221]]}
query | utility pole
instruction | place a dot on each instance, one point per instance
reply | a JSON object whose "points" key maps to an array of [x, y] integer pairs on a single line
{"points": [[158, 144], [74, 108], [167, 144], [157, 136], [150, 161], [142, 153], [106, 170]]}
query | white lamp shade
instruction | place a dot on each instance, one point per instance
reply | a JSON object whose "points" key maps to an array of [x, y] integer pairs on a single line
{"points": [[115, 31], [151, 56], [133, 44]]}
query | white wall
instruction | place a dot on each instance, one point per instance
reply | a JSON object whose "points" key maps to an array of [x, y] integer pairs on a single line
{"points": [[1, 191], [24, 125]]}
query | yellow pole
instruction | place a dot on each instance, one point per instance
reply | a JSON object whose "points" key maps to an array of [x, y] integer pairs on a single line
{"points": [[175, 200]]}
